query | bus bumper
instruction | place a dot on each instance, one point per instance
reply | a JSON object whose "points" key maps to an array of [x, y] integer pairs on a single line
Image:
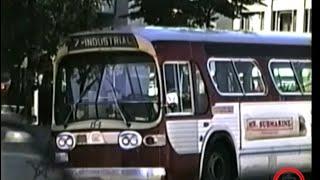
{"points": [[141, 173]]}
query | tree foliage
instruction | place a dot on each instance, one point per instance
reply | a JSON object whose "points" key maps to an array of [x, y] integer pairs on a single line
{"points": [[187, 12], [160, 12], [32, 26]]}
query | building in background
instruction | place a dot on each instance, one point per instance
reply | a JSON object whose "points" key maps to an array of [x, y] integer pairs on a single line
{"points": [[223, 23], [277, 15], [111, 15]]}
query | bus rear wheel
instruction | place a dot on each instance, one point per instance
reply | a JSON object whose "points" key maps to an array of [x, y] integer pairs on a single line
{"points": [[219, 164]]}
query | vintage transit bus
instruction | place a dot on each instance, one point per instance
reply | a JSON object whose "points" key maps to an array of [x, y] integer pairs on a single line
{"points": [[178, 103]]}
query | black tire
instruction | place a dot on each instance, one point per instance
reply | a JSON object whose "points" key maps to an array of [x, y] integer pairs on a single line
{"points": [[219, 163]]}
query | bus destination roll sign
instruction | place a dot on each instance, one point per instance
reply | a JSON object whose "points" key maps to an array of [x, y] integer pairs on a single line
{"points": [[102, 40]]}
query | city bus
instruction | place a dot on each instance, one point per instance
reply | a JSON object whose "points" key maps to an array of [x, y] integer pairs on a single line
{"points": [[179, 103]]}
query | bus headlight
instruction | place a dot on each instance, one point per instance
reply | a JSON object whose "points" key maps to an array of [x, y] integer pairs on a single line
{"points": [[65, 141], [129, 139]]}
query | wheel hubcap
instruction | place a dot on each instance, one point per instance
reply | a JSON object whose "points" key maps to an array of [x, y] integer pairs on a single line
{"points": [[217, 167]]}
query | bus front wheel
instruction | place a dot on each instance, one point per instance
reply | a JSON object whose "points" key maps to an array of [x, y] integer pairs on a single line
{"points": [[218, 165]]}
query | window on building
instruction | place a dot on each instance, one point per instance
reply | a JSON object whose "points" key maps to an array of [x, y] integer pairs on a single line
{"points": [[294, 21], [253, 21], [307, 20], [284, 20], [245, 23], [262, 20], [178, 88], [274, 20]]}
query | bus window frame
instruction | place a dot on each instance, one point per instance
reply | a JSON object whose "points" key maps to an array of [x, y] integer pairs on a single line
{"points": [[233, 60], [290, 61], [195, 66], [177, 62], [255, 63]]}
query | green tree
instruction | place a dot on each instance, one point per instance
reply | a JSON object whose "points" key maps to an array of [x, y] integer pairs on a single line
{"points": [[187, 12], [30, 27], [160, 12], [205, 11]]}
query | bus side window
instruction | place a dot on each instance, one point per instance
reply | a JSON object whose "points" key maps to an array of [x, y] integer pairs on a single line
{"points": [[250, 77], [284, 78], [306, 78], [224, 76], [304, 75], [178, 88], [200, 93]]}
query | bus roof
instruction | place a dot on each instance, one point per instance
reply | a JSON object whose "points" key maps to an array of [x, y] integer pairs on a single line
{"points": [[155, 33]]}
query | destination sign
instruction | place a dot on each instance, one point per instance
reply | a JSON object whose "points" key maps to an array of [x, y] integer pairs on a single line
{"points": [[102, 40]]}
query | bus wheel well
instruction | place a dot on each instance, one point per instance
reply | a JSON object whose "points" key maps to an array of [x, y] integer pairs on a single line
{"points": [[223, 139]]}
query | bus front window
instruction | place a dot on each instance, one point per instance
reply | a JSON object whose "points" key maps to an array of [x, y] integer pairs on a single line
{"points": [[107, 87]]}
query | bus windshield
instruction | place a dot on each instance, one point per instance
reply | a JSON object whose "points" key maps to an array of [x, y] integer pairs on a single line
{"points": [[106, 86]]}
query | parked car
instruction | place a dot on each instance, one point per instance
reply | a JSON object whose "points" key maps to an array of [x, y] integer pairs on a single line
{"points": [[26, 150]]}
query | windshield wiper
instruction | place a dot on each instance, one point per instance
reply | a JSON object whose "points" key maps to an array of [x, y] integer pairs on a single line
{"points": [[117, 104], [74, 106]]}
